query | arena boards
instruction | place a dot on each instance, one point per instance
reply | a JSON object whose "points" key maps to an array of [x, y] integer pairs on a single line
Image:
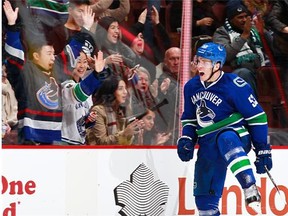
{"points": [[120, 181]]}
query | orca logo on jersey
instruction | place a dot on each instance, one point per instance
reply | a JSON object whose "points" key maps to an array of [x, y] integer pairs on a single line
{"points": [[204, 114], [48, 95], [239, 82]]}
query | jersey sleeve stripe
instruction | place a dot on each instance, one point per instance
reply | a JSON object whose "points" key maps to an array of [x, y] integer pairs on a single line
{"points": [[14, 52], [79, 94], [259, 119], [189, 122]]}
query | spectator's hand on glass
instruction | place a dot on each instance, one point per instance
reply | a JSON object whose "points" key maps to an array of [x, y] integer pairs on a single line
{"points": [[165, 85], [154, 15], [11, 14], [162, 138], [142, 16], [88, 17], [114, 59], [99, 62]]}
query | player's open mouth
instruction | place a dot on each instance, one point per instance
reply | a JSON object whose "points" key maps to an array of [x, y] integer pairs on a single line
{"points": [[201, 73]]}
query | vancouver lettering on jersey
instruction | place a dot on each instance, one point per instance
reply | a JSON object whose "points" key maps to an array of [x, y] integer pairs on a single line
{"points": [[207, 96]]}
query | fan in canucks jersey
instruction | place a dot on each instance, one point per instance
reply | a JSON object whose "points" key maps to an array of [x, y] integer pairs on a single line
{"points": [[35, 75], [222, 115]]}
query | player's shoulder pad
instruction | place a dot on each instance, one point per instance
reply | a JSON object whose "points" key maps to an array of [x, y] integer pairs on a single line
{"points": [[193, 81], [238, 81]]}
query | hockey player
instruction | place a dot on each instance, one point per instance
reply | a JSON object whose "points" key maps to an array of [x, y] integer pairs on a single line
{"points": [[222, 115]]}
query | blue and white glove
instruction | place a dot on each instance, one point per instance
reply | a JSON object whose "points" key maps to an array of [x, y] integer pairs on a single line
{"points": [[185, 148], [263, 158]]}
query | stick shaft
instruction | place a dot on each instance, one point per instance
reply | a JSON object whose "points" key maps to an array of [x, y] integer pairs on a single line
{"points": [[271, 179], [275, 185]]}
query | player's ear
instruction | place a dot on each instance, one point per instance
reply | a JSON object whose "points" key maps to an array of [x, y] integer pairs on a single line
{"points": [[217, 66]]}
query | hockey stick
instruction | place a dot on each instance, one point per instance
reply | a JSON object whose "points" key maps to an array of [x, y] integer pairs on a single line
{"points": [[274, 183], [271, 179]]}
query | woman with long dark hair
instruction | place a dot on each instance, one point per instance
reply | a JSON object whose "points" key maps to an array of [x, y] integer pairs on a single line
{"points": [[111, 126]]}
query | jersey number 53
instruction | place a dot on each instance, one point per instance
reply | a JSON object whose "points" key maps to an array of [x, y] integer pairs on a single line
{"points": [[252, 100]]}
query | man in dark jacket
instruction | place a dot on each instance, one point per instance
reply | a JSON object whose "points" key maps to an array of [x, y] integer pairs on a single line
{"points": [[242, 42]]}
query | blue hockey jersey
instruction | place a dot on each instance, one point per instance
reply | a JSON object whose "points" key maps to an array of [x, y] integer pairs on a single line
{"points": [[225, 103]]}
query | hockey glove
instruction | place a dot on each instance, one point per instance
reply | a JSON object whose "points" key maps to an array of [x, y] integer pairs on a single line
{"points": [[263, 158], [185, 148]]}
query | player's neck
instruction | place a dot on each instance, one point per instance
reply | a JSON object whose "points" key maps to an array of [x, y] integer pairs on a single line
{"points": [[214, 77]]}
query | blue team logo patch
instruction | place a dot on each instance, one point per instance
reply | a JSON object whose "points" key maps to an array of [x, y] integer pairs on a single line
{"points": [[239, 82]]}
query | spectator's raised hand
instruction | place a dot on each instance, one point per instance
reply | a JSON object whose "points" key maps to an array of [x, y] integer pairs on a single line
{"points": [[11, 14], [154, 15], [88, 17], [99, 62], [142, 17], [247, 28], [165, 85], [154, 88]]}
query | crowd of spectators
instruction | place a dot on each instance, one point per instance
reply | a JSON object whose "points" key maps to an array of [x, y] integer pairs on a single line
{"points": [[82, 72]]}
